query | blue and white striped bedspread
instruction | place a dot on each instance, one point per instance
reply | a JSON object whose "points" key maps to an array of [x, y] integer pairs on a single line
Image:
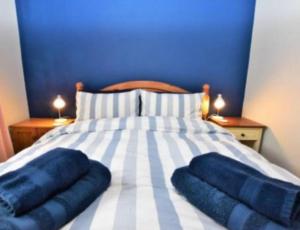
{"points": [[142, 153]]}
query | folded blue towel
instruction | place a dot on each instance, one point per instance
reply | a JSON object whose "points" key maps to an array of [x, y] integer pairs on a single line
{"points": [[219, 206], [31, 185], [273, 198], [63, 207]]}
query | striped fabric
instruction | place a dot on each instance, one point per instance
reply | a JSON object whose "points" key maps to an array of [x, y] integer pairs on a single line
{"points": [[96, 106], [142, 153], [171, 105]]}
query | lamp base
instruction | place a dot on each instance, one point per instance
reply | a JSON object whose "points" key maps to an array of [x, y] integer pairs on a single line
{"points": [[218, 118], [60, 121]]}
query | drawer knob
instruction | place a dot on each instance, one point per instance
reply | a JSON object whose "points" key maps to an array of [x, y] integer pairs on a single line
{"points": [[243, 134]]}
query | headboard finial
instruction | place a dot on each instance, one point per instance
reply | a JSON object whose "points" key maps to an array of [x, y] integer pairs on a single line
{"points": [[206, 88], [79, 86], [205, 101]]}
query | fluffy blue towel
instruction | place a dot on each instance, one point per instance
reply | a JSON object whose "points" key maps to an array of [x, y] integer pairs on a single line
{"points": [[219, 206], [63, 207], [33, 184], [273, 198]]}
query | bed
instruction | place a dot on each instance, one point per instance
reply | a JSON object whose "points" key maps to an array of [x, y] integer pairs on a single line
{"points": [[142, 153]]}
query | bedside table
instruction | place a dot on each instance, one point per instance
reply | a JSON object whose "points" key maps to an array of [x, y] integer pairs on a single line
{"points": [[245, 130], [25, 133]]}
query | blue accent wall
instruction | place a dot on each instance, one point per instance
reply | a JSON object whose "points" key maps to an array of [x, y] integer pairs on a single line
{"points": [[100, 42]]}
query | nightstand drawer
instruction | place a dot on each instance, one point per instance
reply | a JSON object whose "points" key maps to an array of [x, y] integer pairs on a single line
{"points": [[25, 137], [25, 133], [22, 138], [246, 133]]}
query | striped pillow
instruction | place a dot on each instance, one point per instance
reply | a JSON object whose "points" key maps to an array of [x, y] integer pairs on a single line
{"points": [[171, 105], [96, 106]]}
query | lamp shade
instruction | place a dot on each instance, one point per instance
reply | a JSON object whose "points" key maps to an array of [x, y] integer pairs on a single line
{"points": [[219, 102], [59, 102]]}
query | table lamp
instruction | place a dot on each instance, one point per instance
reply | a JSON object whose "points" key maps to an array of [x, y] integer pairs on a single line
{"points": [[59, 104], [219, 105]]}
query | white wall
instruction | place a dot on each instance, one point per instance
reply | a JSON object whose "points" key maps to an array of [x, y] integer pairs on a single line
{"points": [[273, 85], [13, 98]]}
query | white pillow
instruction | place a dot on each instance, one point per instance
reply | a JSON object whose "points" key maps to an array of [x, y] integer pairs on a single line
{"points": [[100, 105], [171, 105]]}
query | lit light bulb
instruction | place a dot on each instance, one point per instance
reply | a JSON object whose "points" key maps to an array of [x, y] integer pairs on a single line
{"points": [[59, 103], [219, 103]]}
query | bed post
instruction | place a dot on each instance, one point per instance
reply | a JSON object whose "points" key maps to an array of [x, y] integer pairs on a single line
{"points": [[79, 86], [205, 101]]}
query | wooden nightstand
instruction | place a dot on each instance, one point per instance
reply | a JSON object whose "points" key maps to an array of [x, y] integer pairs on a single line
{"points": [[245, 130], [25, 133]]}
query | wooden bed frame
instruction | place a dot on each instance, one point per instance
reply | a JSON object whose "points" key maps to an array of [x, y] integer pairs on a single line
{"points": [[154, 86]]}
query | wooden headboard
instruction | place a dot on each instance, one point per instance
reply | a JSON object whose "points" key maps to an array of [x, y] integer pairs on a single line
{"points": [[154, 86]]}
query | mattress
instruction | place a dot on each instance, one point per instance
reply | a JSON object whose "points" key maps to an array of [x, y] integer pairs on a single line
{"points": [[142, 153]]}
